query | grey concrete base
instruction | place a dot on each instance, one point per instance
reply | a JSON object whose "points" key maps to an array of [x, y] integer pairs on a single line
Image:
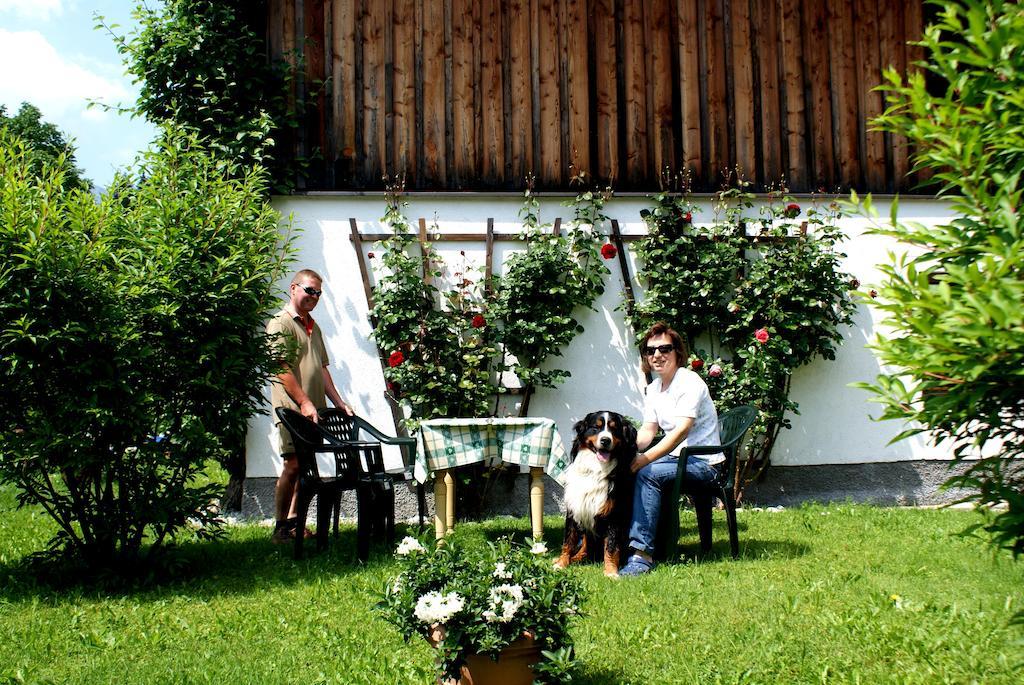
{"points": [[510, 497], [886, 483]]}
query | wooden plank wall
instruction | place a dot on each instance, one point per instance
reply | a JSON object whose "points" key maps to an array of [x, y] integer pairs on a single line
{"points": [[477, 94]]}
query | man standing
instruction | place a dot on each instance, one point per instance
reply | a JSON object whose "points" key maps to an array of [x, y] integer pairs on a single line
{"points": [[303, 385]]}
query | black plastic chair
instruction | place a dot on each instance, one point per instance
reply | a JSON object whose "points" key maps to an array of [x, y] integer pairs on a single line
{"points": [[732, 426], [359, 466]]}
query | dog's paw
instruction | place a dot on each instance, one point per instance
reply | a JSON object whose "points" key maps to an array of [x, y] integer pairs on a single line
{"points": [[614, 575], [560, 563]]}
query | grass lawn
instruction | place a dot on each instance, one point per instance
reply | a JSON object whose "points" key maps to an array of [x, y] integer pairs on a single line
{"points": [[838, 594]]}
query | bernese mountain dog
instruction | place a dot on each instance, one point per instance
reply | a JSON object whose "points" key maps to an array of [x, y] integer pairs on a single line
{"points": [[599, 492]]}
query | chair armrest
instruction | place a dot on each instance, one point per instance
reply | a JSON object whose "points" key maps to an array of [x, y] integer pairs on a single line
{"points": [[703, 449]]}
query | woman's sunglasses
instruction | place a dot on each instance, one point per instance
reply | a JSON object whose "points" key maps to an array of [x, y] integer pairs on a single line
{"points": [[664, 349]]}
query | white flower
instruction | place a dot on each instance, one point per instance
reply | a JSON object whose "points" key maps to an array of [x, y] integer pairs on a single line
{"points": [[408, 545], [504, 598], [434, 607], [586, 228], [539, 548], [500, 572]]}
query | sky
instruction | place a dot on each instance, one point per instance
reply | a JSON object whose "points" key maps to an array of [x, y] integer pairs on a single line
{"points": [[52, 56]]}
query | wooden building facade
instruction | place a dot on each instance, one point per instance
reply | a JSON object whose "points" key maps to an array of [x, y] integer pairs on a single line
{"points": [[477, 94]]}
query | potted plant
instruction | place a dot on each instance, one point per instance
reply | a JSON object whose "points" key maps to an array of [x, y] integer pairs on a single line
{"points": [[499, 608]]}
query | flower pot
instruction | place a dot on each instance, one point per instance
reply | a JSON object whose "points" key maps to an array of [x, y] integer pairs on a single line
{"points": [[514, 665]]}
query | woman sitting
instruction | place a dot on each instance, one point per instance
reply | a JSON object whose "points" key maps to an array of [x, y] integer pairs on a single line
{"points": [[678, 402]]}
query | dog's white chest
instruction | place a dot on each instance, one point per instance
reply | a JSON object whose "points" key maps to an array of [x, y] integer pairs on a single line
{"points": [[586, 489]]}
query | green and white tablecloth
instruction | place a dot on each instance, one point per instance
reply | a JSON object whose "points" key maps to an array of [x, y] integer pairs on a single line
{"points": [[450, 443]]}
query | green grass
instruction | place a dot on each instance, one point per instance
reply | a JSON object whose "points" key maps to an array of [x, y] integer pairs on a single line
{"points": [[839, 594]]}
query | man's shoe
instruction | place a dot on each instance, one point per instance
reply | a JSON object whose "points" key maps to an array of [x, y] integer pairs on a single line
{"points": [[283, 533], [636, 565]]}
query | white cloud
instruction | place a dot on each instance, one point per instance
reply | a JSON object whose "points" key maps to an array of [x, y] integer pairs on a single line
{"points": [[57, 85], [33, 9]]}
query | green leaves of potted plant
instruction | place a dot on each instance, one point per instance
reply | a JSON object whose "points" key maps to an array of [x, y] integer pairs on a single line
{"points": [[491, 611]]}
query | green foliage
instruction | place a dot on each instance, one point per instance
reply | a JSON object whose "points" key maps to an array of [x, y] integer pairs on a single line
{"points": [[482, 598], [439, 343], [47, 146], [875, 595], [202, 65], [765, 308], [442, 345], [546, 284], [954, 302], [132, 347]]}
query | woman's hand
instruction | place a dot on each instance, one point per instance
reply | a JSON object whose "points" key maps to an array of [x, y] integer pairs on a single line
{"points": [[641, 460]]}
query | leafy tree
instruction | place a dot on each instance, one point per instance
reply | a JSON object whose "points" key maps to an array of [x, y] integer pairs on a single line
{"points": [[202, 64], [953, 304], [46, 144], [131, 346]]}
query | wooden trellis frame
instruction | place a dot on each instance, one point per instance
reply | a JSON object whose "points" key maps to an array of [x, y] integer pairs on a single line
{"points": [[489, 236]]}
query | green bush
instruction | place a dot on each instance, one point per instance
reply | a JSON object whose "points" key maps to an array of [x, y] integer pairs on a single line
{"points": [[203, 65], [132, 348], [763, 307], [953, 304], [46, 142]]}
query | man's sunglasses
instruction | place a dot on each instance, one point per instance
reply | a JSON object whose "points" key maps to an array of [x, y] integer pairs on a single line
{"points": [[310, 291], [664, 349]]}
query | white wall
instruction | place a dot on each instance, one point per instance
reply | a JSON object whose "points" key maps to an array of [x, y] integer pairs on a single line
{"points": [[834, 424]]}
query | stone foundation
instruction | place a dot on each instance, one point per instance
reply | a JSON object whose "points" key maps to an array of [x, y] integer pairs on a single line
{"points": [[883, 483]]}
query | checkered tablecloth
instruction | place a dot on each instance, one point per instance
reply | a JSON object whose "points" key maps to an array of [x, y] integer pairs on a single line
{"points": [[449, 443]]}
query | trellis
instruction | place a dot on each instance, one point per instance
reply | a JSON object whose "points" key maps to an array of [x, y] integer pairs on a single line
{"points": [[490, 237]]}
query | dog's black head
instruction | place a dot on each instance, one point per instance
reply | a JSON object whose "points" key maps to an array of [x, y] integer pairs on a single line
{"points": [[606, 434]]}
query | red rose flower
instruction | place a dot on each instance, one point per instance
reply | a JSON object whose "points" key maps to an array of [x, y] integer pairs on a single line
{"points": [[608, 251], [697, 364], [761, 335], [478, 321], [792, 210], [688, 217], [371, 255], [396, 358]]}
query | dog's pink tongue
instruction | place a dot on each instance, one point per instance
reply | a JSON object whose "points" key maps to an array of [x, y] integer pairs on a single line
{"points": [[603, 456]]}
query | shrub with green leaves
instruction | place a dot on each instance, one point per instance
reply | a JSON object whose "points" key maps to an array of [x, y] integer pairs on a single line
{"points": [[203, 65], [954, 303], [764, 305], [438, 342], [131, 347], [46, 143], [544, 287]]}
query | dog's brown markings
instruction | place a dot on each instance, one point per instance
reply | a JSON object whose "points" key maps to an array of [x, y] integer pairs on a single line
{"points": [[611, 563], [564, 559]]}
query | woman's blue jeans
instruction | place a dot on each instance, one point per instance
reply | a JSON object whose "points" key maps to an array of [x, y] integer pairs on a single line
{"points": [[652, 481]]}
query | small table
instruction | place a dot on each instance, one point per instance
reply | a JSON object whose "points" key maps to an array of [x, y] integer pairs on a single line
{"points": [[450, 443]]}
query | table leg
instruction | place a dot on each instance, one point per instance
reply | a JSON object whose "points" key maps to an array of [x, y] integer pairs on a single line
{"points": [[537, 502], [440, 504], [449, 513]]}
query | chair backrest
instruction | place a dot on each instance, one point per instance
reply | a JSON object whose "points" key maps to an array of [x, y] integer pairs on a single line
{"points": [[339, 424], [734, 423], [342, 428], [303, 431], [731, 427], [306, 437]]}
